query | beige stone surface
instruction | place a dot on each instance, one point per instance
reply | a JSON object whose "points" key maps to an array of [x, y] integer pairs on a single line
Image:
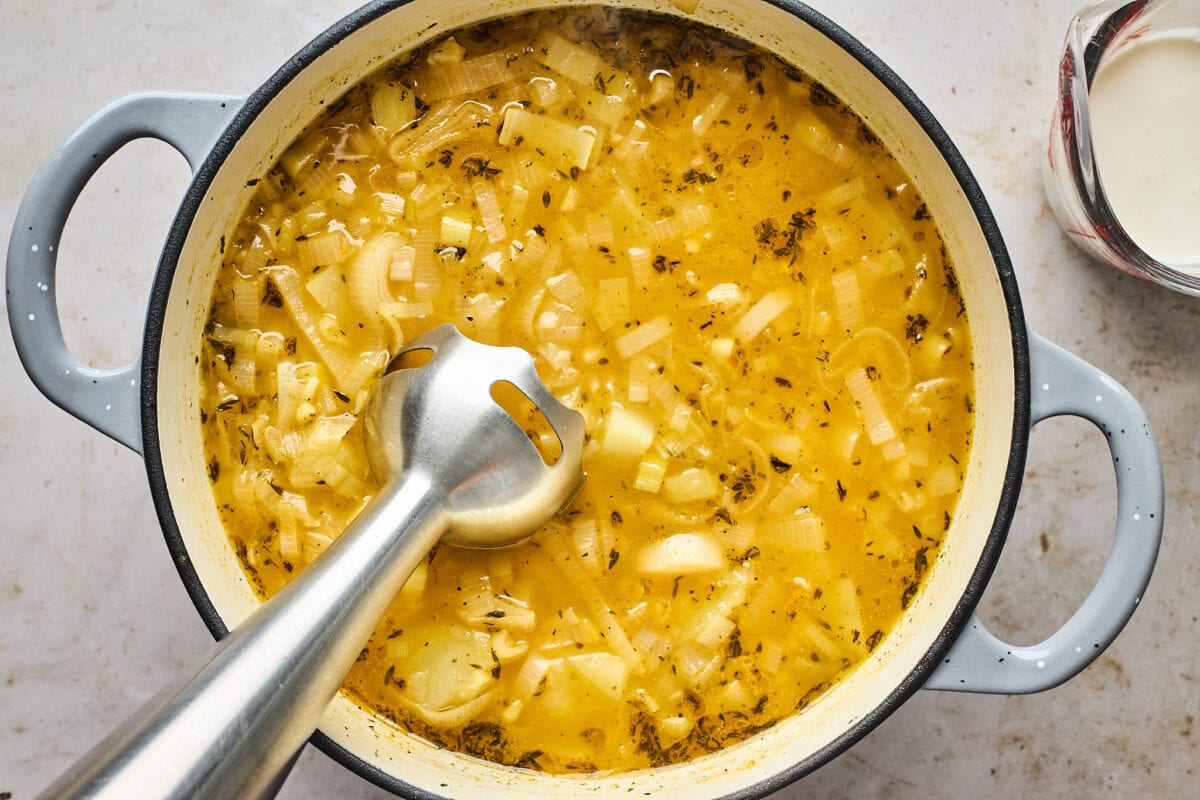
{"points": [[93, 618]]}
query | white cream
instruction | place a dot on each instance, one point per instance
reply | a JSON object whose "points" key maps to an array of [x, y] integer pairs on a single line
{"points": [[1145, 110]]}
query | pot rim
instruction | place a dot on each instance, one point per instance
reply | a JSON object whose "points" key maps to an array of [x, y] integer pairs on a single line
{"points": [[957, 620]]}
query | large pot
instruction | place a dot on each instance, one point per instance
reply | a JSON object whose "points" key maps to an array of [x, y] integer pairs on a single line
{"points": [[150, 405]]}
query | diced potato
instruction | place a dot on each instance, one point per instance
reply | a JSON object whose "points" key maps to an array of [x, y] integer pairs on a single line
{"points": [[627, 433], [605, 671], [680, 554]]}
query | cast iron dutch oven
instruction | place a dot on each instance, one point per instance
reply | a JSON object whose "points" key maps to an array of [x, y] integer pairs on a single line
{"points": [[150, 405]]}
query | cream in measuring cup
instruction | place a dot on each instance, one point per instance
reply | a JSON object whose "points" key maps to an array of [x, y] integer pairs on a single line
{"points": [[1122, 167], [1145, 112]]}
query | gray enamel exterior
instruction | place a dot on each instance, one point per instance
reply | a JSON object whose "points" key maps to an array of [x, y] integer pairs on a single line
{"points": [[1063, 384], [108, 400]]}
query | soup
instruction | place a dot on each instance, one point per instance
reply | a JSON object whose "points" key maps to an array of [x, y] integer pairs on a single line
{"points": [[713, 260]]}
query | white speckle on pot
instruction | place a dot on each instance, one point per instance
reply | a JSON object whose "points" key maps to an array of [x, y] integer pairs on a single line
{"points": [[1098, 398], [1045, 387], [108, 407], [45, 287], [1078, 649], [1136, 517], [1137, 601], [1041, 663], [133, 381], [32, 317], [34, 248]]}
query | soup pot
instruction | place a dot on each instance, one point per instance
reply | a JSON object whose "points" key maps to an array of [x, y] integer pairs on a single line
{"points": [[1020, 379]]}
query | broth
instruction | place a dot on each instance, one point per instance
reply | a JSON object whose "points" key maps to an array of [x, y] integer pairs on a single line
{"points": [[712, 259]]}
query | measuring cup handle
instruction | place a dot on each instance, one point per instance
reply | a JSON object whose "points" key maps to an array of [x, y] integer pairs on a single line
{"points": [[1063, 384], [106, 399]]}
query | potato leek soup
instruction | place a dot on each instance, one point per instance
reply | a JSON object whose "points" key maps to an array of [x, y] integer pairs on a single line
{"points": [[712, 259]]}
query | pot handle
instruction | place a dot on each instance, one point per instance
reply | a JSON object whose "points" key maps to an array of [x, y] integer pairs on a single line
{"points": [[1062, 383], [106, 399]]}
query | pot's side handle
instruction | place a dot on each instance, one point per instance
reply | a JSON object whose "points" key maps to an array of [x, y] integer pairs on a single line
{"points": [[108, 400], [1063, 384]]}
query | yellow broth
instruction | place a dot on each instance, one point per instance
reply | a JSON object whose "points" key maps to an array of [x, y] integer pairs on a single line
{"points": [[713, 260]]}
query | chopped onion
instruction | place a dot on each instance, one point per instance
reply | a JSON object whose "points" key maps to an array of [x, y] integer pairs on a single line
{"points": [[612, 303], [451, 717], [450, 80], [532, 673], [685, 221], [584, 536], [762, 314], [304, 153], [287, 281], [805, 532], [567, 288], [489, 211], [690, 485], [643, 336], [639, 265], [705, 119], [605, 617], [247, 296], [427, 271], [650, 474], [738, 536], [507, 648], [792, 496], [840, 196], [633, 145], [771, 658], [326, 434], [323, 249], [848, 298], [406, 310], [456, 230], [843, 610], [580, 65], [652, 646], [599, 230], [518, 201], [943, 480], [874, 347], [875, 420], [441, 125], [695, 665], [390, 203], [820, 639]]}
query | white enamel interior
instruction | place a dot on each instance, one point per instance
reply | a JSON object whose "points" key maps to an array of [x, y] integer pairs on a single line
{"points": [[440, 772]]}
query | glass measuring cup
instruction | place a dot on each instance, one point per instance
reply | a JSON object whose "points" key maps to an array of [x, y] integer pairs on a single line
{"points": [[1111, 175]]}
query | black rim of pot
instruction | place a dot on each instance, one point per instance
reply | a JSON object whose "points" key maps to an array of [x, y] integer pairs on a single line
{"points": [[255, 104]]}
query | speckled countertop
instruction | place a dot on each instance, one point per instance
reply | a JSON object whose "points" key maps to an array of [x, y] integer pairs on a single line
{"points": [[93, 618]]}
